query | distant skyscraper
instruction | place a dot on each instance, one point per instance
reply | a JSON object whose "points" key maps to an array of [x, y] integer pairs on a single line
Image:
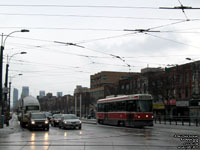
{"points": [[15, 97], [25, 91], [59, 94], [42, 94]]}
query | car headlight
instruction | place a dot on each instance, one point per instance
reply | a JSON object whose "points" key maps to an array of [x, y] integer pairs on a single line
{"points": [[32, 122], [46, 122], [65, 122]]}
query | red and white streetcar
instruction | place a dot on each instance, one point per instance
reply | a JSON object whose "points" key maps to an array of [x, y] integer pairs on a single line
{"points": [[128, 110]]}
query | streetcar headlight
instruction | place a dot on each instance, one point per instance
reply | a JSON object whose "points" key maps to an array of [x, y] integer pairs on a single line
{"points": [[147, 116], [152, 116], [46, 122], [138, 117], [32, 122]]}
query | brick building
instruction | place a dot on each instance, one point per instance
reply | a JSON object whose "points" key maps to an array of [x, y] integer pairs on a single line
{"points": [[50, 103], [173, 89], [105, 83]]}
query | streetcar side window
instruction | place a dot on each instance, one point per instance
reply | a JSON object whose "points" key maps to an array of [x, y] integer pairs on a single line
{"points": [[121, 106], [106, 107], [131, 106], [100, 107]]}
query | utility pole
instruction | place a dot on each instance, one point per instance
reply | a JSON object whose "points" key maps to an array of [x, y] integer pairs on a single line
{"points": [[80, 104], [75, 105], [1, 90]]}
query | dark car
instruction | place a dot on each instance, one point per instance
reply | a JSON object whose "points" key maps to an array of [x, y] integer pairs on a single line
{"points": [[55, 119], [38, 121], [48, 115], [70, 121]]}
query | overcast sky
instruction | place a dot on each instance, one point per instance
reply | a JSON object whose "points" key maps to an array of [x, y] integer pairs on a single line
{"points": [[97, 27]]}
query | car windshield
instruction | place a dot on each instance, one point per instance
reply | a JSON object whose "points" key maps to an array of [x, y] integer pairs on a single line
{"points": [[57, 116], [48, 114], [38, 116], [70, 117]]}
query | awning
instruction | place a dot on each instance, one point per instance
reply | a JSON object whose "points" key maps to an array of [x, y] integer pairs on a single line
{"points": [[171, 102]]}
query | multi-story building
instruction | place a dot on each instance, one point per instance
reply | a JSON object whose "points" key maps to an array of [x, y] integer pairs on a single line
{"points": [[173, 89], [105, 83], [82, 101], [15, 97], [55, 104], [59, 94], [41, 94], [25, 91]]}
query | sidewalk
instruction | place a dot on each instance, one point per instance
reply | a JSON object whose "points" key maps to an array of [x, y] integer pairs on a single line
{"points": [[89, 121], [13, 127]]}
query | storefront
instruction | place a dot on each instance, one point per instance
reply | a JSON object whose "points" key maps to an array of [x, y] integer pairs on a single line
{"points": [[182, 108], [170, 108], [159, 110]]}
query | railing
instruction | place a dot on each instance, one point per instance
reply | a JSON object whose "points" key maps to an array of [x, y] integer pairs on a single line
{"points": [[176, 120]]}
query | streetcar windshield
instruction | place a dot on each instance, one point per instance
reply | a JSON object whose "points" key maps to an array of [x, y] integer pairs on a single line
{"points": [[144, 106]]}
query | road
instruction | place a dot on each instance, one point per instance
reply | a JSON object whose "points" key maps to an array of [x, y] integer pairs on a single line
{"points": [[99, 137]]}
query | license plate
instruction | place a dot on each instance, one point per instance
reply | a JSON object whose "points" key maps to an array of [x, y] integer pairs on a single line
{"points": [[40, 125]]}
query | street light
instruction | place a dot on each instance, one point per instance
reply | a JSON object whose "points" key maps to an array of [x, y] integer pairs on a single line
{"points": [[11, 77], [6, 75], [3, 41]]}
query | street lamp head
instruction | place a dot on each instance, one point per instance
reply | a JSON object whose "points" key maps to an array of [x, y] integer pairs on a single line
{"points": [[188, 58], [25, 30], [23, 53], [20, 74]]}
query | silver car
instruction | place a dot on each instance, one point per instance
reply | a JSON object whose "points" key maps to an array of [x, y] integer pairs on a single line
{"points": [[70, 121]]}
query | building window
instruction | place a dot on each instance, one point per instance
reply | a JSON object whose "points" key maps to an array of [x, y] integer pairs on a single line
{"points": [[186, 92], [127, 87], [179, 93], [186, 77], [193, 76]]}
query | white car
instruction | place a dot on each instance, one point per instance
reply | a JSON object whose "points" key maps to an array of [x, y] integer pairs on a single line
{"points": [[70, 121]]}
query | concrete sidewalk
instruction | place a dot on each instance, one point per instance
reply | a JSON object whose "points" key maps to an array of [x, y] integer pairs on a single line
{"points": [[13, 127]]}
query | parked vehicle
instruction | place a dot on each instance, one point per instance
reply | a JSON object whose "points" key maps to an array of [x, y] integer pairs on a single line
{"points": [[55, 120], [70, 121], [38, 121], [25, 106]]}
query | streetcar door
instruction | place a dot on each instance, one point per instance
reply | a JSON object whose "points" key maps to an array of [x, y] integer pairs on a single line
{"points": [[106, 110], [131, 108]]}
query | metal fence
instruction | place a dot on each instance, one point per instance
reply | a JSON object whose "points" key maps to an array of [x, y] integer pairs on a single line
{"points": [[176, 120]]}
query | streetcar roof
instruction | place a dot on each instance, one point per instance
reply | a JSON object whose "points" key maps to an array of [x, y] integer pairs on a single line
{"points": [[127, 97]]}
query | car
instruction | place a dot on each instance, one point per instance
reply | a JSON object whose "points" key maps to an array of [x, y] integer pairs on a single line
{"points": [[38, 121], [55, 120], [70, 121], [48, 115]]}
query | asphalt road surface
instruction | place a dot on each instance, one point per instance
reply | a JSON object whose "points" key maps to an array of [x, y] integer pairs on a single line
{"points": [[101, 137]]}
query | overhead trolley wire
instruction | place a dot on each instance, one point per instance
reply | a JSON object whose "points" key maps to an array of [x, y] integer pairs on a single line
{"points": [[90, 16], [80, 6], [171, 40]]}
